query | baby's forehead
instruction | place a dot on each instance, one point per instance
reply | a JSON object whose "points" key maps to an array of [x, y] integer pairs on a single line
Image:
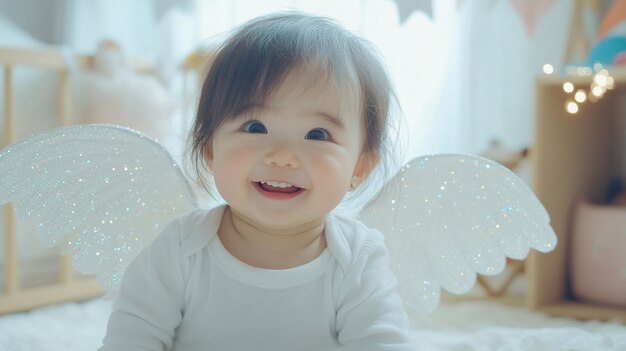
{"points": [[334, 93]]}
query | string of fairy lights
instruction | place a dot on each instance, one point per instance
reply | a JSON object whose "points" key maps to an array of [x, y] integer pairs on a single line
{"points": [[576, 96]]}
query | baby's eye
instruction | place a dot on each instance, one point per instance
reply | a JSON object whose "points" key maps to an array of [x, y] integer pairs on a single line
{"points": [[317, 134], [254, 127]]}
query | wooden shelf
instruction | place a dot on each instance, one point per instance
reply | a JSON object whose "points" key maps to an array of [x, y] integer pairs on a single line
{"points": [[585, 310], [574, 157]]}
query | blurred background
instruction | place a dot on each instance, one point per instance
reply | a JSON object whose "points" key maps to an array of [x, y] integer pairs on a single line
{"points": [[537, 85]]}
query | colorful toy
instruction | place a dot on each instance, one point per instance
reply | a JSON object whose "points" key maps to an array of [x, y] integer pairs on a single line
{"points": [[611, 37], [607, 50]]}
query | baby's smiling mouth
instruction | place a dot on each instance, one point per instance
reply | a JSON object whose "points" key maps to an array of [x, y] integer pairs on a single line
{"points": [[278, 187]]}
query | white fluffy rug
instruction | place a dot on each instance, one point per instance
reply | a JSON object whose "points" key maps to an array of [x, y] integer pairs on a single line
{"points": [[467, 326]]}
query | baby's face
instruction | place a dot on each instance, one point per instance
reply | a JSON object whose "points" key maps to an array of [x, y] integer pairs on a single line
{"points": [[291, 161]]}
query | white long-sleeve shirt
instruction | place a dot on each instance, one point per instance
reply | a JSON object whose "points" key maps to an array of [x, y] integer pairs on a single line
{"points": [[187, 292]]}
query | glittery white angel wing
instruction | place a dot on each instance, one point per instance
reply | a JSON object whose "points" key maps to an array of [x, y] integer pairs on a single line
{"points": [[100, 192], [448, 217]]}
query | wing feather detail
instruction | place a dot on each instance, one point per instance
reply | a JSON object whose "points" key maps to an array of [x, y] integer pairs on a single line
{"points": [[99, 192], [448, 217]]}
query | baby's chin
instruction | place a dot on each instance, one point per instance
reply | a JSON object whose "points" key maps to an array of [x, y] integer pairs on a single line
{"points": [[284, 224], [293, 227]]}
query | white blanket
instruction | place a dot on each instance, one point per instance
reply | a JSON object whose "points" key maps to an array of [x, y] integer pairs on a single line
{"points": [[467, 326]]}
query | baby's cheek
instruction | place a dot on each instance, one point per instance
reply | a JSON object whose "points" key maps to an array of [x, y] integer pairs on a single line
{"points": [[334, 174], [230, 173], [336, 165]]}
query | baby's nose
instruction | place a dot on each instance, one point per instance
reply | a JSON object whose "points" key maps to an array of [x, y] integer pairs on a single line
{"points": [[282, 156]]}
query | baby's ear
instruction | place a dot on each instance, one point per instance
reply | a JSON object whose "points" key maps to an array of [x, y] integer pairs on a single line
{"points": [[363, 168], [208, 157]]}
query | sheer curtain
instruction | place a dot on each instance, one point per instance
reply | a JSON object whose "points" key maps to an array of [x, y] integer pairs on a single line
{"points": [[498, 55]]}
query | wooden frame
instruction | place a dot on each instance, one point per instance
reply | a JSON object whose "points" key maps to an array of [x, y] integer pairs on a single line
{"points": [[573, 158], [67, 286]]}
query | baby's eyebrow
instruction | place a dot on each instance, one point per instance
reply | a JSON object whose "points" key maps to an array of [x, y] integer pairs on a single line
{"points": [[331, 118]]}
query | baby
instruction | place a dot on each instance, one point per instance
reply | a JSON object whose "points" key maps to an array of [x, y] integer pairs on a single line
{"points": [[293, 115]]}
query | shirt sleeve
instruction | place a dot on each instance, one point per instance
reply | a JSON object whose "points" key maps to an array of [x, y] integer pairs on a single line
{"points": [[151, 298], [370, 314]]}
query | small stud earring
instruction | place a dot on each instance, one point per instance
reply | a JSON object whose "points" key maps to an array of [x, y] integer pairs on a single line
{"points": [[353, 186]]}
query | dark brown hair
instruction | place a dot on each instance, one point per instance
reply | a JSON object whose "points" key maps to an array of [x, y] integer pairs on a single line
{"points": [[255, 59]]}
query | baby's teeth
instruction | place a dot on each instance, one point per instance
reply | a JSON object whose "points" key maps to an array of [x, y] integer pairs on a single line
{"points": [[277, 184]]}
